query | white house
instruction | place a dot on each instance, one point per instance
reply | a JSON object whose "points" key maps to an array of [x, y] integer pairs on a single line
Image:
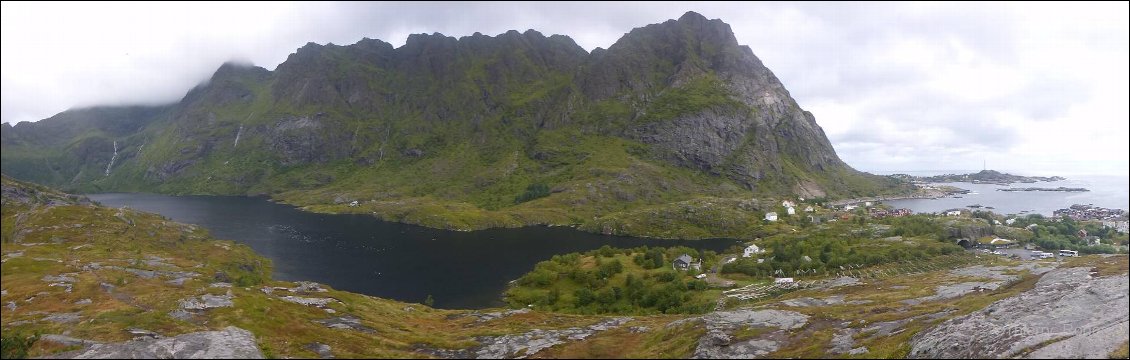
{"points": [[682, 262], [808, 209], [791, 210], [354, 203], [1010, 221], [771, 216], [787, 203], [783, 281], [750, 250], [850, 207], [867, 203], [953, 213]]}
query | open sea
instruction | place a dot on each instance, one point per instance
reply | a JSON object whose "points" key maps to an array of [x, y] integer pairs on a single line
{"points": [[1108, 191]]}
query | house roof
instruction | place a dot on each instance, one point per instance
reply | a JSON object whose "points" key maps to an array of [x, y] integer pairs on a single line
{"points": [[686, 259]]}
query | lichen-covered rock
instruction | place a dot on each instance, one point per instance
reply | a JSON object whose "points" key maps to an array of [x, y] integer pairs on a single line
{"points": [[206, 301], [718, 344], [1056, 319], [528, 343], [229, 343]]}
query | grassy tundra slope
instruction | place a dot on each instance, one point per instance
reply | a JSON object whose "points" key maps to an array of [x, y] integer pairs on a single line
{"points": [[86, 278]]}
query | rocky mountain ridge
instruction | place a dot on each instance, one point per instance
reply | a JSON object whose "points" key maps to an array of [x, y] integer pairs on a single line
{"points": [[471, 121]]}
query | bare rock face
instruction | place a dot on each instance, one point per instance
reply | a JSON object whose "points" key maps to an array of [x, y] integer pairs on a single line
{"points": [[684, 87], [307, 139], [229, 343], [1069, 314], [526, 344], [747, 129], [718, 342]]}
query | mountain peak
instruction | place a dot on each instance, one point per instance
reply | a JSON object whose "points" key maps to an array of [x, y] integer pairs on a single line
{"points": [[683, 89], [234, 68], [692, 16]]}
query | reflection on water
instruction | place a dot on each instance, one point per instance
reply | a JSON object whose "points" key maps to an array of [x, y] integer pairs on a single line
{"points": [[391, 260]]}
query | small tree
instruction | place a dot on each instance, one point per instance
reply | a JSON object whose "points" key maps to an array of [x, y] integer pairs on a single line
{"points": [[429, 301]]}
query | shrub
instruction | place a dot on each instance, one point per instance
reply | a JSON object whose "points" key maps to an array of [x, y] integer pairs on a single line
{"points": [[534, 191]]}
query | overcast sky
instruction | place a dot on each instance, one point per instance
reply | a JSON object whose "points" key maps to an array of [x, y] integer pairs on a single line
{"points": [[1033, 88]]}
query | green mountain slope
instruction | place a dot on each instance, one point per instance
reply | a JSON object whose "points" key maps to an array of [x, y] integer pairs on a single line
{"points": [[467, 133], [89, 281]]}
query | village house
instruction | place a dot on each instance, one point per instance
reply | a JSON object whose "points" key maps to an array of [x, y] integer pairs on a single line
{"points": [[878, 213], [808, 209], [354, 203], [750, 250], [900, 212], [771, 216], [790, 210], [684, 262], [1120, 226], [787, 203], [953, 213], [1093, 240], [850, 207]]}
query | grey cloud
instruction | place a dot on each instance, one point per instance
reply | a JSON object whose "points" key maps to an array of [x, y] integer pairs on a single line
{"points": [[1045, 97]]}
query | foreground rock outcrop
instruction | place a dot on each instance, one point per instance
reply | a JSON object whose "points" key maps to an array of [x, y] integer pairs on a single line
{"points": [[229, 343], [720, 343], [1071, 313]]}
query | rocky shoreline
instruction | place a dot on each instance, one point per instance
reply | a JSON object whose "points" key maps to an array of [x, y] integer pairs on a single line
{"points": [[933, 192]]}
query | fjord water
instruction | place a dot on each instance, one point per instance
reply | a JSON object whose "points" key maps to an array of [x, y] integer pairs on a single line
{"points": [[361, 254], [1105, 191]]}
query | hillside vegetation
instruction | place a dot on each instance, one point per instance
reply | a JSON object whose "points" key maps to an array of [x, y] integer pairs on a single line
{"points": [[470, 133], [81, 280]]}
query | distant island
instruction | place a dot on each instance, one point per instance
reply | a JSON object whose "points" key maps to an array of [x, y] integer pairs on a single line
{"points": [[982, 177]]}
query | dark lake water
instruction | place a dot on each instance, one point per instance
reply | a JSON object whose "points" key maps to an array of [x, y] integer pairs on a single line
{"points": [[361, 254]]}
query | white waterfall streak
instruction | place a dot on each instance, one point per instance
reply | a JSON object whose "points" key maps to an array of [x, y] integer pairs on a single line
{"points": [[115, 157], [237, 134]]}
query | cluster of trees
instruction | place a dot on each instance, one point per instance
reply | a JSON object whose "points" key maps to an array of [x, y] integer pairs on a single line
{"points": [[621, 281], [826, 251], [916, 225], [533, 191], [1064, 234]]}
